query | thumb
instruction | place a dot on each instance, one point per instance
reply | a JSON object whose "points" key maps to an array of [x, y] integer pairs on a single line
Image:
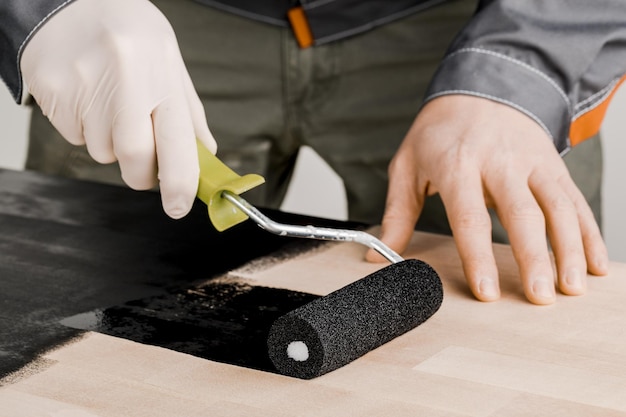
{"points": [[402, 209]]}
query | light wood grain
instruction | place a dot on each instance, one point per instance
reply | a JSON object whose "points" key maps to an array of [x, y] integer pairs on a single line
{"points": [[507, 358]]}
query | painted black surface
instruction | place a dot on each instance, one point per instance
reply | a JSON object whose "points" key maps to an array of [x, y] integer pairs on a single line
{"points": [[223, 322], [68, 247]]}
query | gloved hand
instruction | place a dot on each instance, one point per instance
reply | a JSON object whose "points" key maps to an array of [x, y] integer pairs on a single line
{"points": [[477, 153], [109, 74]]}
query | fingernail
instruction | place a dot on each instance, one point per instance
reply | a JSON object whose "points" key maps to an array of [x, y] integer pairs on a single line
{"points": [[488, 288], [573, 279], [176, 209], [543, 289], [602, 263]]}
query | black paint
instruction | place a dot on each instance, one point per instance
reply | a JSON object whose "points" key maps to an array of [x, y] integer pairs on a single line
{"points": [[69, 247], [223, 322]]}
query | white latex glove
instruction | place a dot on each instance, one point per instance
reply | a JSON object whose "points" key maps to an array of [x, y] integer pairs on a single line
{"points": [[109, 74]]}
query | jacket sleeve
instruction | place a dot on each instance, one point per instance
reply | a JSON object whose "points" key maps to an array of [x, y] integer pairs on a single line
{"points": [[19, 20], [558, 61]]}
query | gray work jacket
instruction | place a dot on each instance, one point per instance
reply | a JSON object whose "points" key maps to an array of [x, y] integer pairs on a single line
{"points": [[557, 61]]}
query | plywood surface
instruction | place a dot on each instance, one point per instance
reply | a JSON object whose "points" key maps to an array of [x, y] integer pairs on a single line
{"points": [[507, 358]]}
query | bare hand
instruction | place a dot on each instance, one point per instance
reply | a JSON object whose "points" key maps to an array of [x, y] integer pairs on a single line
{"points": [[477, 153]]}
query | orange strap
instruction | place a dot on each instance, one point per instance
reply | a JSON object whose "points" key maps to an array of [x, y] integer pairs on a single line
{"points": [[300, 26], [589, 123]]}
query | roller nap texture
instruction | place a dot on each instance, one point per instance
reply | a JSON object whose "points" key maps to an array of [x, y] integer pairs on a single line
{"points": [[334, 330]]}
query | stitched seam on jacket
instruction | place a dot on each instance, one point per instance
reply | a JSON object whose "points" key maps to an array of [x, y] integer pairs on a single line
{"points": [[377, 22], [589, 104], [30, 34], [498, 99], [519, 63]]}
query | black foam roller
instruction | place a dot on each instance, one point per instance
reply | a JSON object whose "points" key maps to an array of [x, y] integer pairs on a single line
{"points": [[336, 329]]}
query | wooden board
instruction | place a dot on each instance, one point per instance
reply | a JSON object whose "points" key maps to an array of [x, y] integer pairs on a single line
{"points": [[507, 358]]}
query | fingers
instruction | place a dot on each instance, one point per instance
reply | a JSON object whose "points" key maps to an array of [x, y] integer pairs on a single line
{"points": [[574, 234], [133, 146], [564, 232], [65, 121], [596, 253], [471, 228], [403, 206], [177, 155], [158, 142], [98, 130], [524, 221]]}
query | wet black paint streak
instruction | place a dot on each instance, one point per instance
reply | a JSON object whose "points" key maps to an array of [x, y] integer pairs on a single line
{"points": [[223, 322], [70, 247]]}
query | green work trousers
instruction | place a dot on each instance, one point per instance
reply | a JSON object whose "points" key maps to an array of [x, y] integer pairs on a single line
{"points": [[352, 101]]}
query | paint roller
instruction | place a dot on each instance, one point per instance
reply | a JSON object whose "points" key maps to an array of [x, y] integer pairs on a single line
{"points": [[336, 329]]}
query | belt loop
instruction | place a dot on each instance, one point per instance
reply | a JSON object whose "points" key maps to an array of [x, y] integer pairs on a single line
{"points": [[300, 26]]}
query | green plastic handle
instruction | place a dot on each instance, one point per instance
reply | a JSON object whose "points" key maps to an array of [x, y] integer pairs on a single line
{"points": [[216, 177]]}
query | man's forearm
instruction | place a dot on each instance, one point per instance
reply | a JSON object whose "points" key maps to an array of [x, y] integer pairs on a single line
{"points": [[552, 60]]}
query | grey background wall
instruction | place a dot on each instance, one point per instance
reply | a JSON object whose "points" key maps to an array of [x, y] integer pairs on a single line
{"points": [[317, 190]]}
